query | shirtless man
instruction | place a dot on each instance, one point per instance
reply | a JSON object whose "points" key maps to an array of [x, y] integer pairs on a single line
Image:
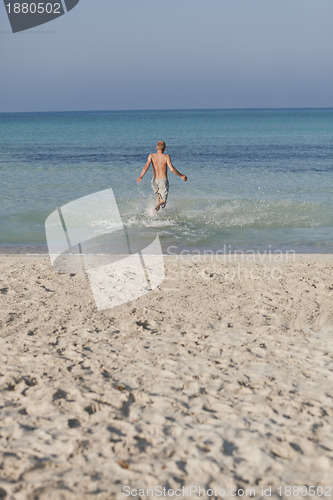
{"points": [[160, 183]]}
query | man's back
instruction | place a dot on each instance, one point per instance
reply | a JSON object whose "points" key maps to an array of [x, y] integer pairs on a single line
{"points": [[160, 183], [160, 165]]}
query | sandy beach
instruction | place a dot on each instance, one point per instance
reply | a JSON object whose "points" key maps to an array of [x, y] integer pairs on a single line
{"points": [[221, 378]]}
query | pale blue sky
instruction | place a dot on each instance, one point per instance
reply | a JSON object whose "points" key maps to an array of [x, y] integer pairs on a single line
{"points": [[149, 54]]}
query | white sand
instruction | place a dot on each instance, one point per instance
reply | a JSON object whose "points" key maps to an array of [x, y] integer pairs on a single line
{"points": [[220, 378]]}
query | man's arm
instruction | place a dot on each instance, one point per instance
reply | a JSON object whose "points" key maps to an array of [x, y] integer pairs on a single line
{"points": [[174, 170], [145, 168]]}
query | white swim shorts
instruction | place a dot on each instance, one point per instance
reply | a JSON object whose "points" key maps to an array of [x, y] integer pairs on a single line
{"points": [[161, 187]]}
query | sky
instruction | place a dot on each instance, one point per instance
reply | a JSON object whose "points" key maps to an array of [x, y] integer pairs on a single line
{"points": [[179, 54]]}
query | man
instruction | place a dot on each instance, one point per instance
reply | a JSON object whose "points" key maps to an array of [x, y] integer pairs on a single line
{"points": [[160, 183]]}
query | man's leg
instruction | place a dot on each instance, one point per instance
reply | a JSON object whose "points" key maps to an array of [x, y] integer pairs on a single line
{"points": [[155, 189], [160, 203], [157, 202], [162, 195]]}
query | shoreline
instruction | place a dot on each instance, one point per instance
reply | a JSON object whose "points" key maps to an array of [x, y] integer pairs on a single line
{"points": [[43, 251]]}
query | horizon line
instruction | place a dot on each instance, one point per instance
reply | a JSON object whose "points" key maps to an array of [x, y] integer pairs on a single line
{"points": [[169, 109]]}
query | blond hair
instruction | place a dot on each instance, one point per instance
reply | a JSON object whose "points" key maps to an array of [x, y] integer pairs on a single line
{"points": [[161, 145]]}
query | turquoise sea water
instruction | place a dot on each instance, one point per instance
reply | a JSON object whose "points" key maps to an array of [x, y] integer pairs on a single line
{"points": [[257, 179]]}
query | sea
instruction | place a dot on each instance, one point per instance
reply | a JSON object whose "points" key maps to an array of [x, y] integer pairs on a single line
{"points": [[258, 179]]}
